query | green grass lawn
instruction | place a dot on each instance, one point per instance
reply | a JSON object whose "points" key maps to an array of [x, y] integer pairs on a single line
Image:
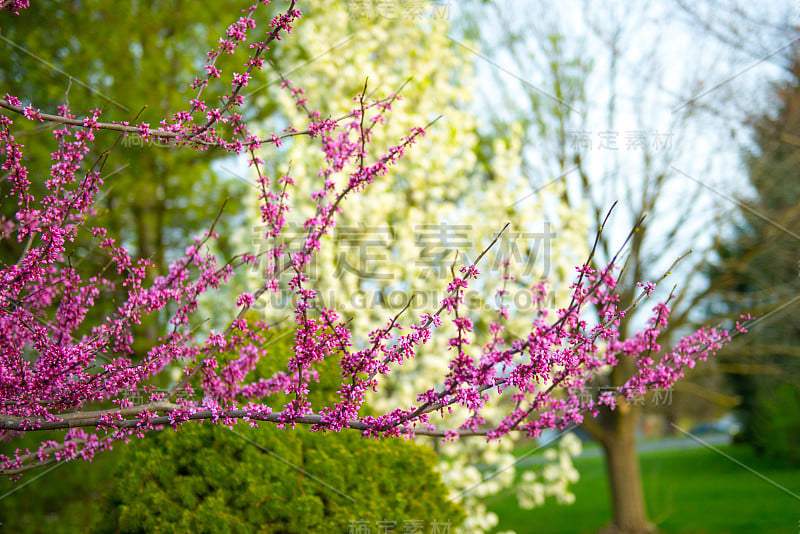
{"points": [[688, 491]]}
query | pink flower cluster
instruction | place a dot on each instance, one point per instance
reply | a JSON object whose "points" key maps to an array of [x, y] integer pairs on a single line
{"points": [[15, 6], [57, 372]]}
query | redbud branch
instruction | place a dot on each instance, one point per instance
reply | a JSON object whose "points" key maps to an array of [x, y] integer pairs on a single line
{"points": [[238, 86], [442, 307], [264, 287], [275, 417], [178, 136]]}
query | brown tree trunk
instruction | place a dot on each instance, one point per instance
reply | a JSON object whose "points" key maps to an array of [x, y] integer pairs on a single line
{"points": [[624, 477]]}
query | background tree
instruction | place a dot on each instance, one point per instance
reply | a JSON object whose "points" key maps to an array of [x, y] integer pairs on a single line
{"points": [[606, 110], [757, 272], [138, 73], [129, 69]]}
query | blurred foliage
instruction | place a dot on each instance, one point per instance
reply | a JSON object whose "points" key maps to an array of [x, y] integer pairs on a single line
{"points": [[758, 272], [776, 423], [58, 499], [135, 61]]}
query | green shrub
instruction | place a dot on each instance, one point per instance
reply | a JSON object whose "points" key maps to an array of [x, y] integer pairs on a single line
{"points": [[206, 478], [209, 478]]}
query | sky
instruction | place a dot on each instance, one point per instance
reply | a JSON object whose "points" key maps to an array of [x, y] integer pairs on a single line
{"points": [[676, 82]]}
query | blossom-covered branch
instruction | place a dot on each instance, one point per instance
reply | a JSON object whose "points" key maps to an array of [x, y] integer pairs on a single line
{"points": [[58, 371]]}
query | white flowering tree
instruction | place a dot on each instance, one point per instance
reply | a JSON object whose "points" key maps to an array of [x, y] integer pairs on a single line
{"points": [[442, 208]]}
